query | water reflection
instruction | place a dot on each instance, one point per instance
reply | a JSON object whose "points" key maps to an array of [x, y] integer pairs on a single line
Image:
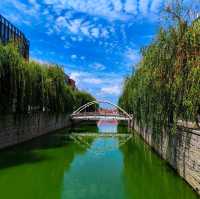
{"points": [[54, 167], [97, 174], [103, 145], [35, 170], [107, 126], [145, 176]]}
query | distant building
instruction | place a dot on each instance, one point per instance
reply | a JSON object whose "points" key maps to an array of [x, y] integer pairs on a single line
{"points": [[9, 32], [69, 81], [72, 83], [108, 111]]}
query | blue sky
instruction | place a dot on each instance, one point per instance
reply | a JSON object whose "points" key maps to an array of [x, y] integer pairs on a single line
{"points": [[96, 41]]}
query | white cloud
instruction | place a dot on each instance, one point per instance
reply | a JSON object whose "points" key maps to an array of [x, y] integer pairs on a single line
{"points": [[45, 12], [61, 22], [63, 38], [41, 61], [101, 84], [76, 75], [85, 30], [97, 8], [29, 11], [78, 28], [66, 22], [92, 80], [20, 13], [74, 56], [35, 4], [143, 6], [132, 56], [98, 66], [104, 33], [95, 32], [74, 38], [117, 5], [131, 6], [108, 9], [74, 26], [111, 10], [49, 2], [156, 5], [111, 90]]}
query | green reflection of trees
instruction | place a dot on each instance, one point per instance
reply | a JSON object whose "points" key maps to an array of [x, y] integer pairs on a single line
{"points": [[84, 143], [85, 126], [147, 177], [122, 127], [36, 169]]}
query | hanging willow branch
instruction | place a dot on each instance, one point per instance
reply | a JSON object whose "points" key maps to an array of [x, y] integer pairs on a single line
{"points": [[27, 87], [166, 85]]}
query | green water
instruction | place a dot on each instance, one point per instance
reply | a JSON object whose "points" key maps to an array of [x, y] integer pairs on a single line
{"points": [[56, 167]]}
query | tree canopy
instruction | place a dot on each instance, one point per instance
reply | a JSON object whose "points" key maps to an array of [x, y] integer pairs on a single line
{"points": [[166, 84], [31, 86]]}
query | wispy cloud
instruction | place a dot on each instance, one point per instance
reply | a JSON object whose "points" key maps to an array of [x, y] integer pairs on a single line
{"points": [[156, 4], [92, 80], [143, 6], [101, 85], [110, 10], [132, 56], [98, 66], [61, 15], [24, 8], [74, 56], [111, 90], [130, 6]]}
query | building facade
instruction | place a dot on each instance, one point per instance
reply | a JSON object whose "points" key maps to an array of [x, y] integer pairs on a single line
{"points": [[69, 81], [9, 32]]}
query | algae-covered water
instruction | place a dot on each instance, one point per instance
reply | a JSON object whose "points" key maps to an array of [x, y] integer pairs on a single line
{"points": [[58, 167]]}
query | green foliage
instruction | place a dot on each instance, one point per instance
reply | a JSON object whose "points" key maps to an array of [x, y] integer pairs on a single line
{"points": [[166, 85], [83, 98], [30, 86]]}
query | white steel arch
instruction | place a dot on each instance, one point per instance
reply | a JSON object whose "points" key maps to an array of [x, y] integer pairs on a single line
{"points": [[100, 102]]}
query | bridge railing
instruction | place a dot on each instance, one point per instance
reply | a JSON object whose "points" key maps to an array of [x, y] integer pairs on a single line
{"points": [[99, 114]]}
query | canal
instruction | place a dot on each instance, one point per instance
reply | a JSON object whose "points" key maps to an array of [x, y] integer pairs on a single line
{"points": [[56, 166]]}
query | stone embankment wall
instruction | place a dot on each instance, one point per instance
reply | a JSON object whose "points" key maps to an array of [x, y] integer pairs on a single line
{"points": [[18, 129], [181, 151]]}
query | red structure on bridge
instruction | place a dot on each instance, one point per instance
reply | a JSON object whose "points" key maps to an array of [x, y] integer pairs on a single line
{"points": [[108, 111]]}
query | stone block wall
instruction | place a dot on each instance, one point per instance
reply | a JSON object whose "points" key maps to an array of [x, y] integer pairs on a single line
{"points": [[181, 151], [18, 129]]}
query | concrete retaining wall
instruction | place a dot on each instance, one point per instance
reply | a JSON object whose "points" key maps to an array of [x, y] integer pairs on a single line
{"points": [[181, 151], [17, 129]]}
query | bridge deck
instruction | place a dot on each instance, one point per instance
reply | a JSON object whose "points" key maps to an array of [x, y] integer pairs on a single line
{"points": [[99, 117], [101, 134]]}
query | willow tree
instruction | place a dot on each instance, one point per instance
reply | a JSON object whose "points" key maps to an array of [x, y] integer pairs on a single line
{"points": [[166, 85], [30, 86]]}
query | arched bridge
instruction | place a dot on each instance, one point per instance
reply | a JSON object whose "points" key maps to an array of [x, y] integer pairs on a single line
{"points": [[117, 113]]}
